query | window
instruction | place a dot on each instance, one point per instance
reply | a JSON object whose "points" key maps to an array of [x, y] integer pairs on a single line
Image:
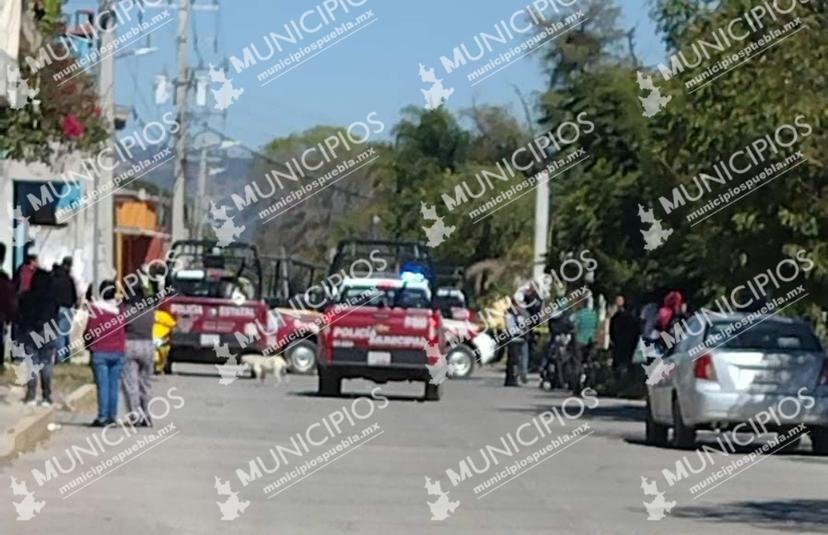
{"points": [[768, 335], [385, 297]]}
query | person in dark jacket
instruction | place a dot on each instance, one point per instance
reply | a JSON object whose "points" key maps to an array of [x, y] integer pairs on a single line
{"points": [[623, 332], [8, 303], [517, 348], [66, 295], [139, 360], [37, 314]]}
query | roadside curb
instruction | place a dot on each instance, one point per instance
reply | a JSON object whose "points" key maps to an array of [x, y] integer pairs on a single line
{"points": [[80, 397], [32, 429]]}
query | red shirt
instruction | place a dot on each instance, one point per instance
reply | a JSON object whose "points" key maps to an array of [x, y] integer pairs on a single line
{"points": [[105, 330], [25, 274]]}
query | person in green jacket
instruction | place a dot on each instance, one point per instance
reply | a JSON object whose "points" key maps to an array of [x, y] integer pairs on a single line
{"points": [[586, 326]]}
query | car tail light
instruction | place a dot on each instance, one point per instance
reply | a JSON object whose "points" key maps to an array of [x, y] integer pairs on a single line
{"points": [[703, 368], [823, 380]]}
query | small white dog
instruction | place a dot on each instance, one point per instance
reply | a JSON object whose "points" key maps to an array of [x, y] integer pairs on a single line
{"points": [[261, 365]]}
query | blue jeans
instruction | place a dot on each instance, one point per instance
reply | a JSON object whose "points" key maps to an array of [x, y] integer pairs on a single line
{"points": [[64, 324], [107, 366]]}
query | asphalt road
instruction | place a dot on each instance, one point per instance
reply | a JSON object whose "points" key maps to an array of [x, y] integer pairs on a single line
{"points": [[375, 483]]}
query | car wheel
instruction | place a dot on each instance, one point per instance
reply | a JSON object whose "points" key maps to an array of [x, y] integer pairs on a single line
{"points": [[302, 358], [793, 442], [330, 384], [461, 362], [656, 434], [433, 392], [684, 437], [819, 440]]}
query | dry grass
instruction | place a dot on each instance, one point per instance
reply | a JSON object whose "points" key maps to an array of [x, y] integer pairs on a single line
{"points": [[65, 379]]}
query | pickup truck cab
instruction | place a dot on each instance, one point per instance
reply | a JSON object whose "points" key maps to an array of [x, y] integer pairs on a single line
{"points": [[382, 329], [217, 298]]}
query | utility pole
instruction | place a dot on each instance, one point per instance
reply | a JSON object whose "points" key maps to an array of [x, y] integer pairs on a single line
{"points": [[179, 229], [541, 205], [102, 228], [541, 229], [200, 212]]}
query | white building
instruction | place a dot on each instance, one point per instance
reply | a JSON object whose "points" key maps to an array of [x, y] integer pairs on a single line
{"points": [[31, 193]]}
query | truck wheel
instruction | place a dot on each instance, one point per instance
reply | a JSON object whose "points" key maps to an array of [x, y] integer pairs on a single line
{"points": [[819, 440], [301, 358], [656, 434], [684, 437], [461, 361], [330, 384], [432, 391]]}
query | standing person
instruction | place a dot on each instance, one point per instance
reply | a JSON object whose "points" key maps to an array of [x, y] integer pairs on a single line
{"points": [[66, 295], [586, 325], [8, 303], [623, 332], [38, 310], [517, 348], [139, 362], [529, 304], [106, 339], [671, 311], [23, 278]]}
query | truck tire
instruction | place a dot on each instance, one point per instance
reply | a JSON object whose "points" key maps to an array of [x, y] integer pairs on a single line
{"points": [[330, 384], [301, 358], [461, 358], [433, 392], [684, 437], [819, 440]]}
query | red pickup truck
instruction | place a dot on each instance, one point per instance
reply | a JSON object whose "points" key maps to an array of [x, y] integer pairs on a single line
{"points": [[217, 302], [381, 329]]}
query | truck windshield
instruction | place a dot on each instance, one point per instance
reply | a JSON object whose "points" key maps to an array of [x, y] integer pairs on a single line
{"points": [[218, 289], [385, 297]]}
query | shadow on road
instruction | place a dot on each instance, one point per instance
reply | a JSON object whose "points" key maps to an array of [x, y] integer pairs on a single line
{"points": [[354, 395], [709, 442], [620, 412], [781, 515]]}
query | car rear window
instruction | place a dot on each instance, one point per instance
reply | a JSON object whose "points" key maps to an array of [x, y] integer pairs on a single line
{"points": [[771, 335], [385, 297]]}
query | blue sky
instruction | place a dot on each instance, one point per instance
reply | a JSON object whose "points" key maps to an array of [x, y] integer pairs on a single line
{"points": [[374, 69]]}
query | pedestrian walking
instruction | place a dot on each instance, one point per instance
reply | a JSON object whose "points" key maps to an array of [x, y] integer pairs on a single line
{"points": [[106, 339], [38, 312], [623, 332], [139, 361], [66, 295], [517, 349], [8, 303]]}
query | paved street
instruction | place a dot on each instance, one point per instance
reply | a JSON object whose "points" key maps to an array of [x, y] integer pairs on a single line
{"points": [[592, 486]]}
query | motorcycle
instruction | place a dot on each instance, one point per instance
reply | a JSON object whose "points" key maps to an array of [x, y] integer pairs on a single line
{"points": [[557, 370]]}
